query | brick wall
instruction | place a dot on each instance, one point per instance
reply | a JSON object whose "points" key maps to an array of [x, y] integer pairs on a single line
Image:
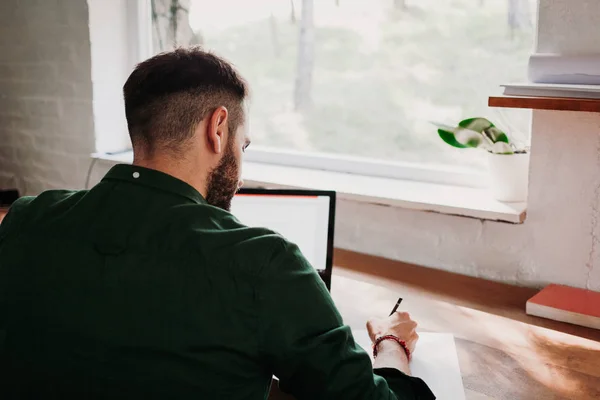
{"points": [[46, 113]]}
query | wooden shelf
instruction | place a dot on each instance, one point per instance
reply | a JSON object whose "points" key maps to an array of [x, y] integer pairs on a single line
{"points": [[546, 103]]}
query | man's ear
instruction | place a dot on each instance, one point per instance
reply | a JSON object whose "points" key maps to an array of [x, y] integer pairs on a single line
{"points": [[217, 129]]}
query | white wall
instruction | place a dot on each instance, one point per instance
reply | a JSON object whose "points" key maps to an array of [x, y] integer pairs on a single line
{"points": [[569, 26], [62, 67], [46, 120]]}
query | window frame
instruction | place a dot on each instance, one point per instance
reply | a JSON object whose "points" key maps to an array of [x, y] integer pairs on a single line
{"points": [[425, 172], [140, 16]]}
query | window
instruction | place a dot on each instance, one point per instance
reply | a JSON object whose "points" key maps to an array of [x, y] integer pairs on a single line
{"points": [[356, 82]]}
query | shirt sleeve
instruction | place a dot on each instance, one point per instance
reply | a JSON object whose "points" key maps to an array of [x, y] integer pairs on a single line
{"points": [[309, 349]]}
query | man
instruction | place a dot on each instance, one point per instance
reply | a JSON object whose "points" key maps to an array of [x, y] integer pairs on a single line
{"points": [[146, 287]]}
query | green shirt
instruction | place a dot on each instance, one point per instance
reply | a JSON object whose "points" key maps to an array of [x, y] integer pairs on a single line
{"points": [[140, 289]]}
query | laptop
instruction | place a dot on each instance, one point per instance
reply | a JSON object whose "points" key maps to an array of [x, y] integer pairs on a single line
{"points": [[304, 217]]}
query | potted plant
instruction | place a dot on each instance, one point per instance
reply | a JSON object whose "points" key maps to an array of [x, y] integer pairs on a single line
{"points": [[508, 165]]}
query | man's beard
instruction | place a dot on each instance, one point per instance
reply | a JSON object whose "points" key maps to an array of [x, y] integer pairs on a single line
{"points": [[223, 181]]}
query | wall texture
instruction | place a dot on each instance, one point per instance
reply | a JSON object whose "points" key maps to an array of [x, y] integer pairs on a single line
{"points": [[568, 26], [46, 119]]}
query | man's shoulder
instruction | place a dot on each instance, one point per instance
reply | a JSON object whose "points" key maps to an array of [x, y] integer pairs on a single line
{"points": [[49, 197], [21, 204], [29, 208], [15, 212], [204, 219], [223, 233], [49, 200]]}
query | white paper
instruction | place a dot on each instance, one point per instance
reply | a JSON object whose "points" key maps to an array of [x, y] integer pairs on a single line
{"points": [[565, 69], [435, 361], [552, 90]]}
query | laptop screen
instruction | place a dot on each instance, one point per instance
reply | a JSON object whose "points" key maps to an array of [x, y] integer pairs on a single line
{"points": [[301, 216]]}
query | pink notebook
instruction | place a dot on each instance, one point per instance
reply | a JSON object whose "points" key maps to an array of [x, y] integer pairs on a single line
{"points": [[567, 304]]}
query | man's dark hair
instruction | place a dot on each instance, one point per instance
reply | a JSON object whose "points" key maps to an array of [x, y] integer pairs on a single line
{"points": [[167, 96]]}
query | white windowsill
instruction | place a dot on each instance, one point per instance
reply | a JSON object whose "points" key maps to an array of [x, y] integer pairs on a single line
{"points": [[422, 196]]}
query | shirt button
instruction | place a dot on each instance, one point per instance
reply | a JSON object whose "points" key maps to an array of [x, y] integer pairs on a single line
{"points": [[136, 175]]}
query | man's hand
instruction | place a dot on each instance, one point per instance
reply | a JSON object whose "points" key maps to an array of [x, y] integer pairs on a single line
{"points": [[390, 353], [398, 324]]}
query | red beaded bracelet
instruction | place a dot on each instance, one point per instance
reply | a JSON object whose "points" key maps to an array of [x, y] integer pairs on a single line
{"points": [[402, 344]]}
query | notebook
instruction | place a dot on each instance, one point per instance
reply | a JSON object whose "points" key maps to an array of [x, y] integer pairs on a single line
{"points": [[567, 304], [435, 361]]}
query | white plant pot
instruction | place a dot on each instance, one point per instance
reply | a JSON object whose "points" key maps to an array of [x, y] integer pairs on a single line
{"points": [[509, 176]]}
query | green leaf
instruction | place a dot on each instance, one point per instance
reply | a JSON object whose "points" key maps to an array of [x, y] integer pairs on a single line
{"points": [[476, 124], [496, 135], [448, 137], [501, 148]]}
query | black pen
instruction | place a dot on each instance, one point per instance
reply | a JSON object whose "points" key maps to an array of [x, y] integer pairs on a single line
{"points": [[396, 306]]}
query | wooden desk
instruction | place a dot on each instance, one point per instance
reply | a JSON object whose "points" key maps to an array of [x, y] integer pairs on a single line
{"points": [[504, 354], [3, 212]]}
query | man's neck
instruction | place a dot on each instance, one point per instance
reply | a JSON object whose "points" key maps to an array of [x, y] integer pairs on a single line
{"points": [[180, 169]]}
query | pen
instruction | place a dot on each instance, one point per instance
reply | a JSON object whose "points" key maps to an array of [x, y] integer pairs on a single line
{"points": [[396, 306]]}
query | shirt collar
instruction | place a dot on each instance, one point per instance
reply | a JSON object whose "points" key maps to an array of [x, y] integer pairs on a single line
{"points": [[154, 179]]}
